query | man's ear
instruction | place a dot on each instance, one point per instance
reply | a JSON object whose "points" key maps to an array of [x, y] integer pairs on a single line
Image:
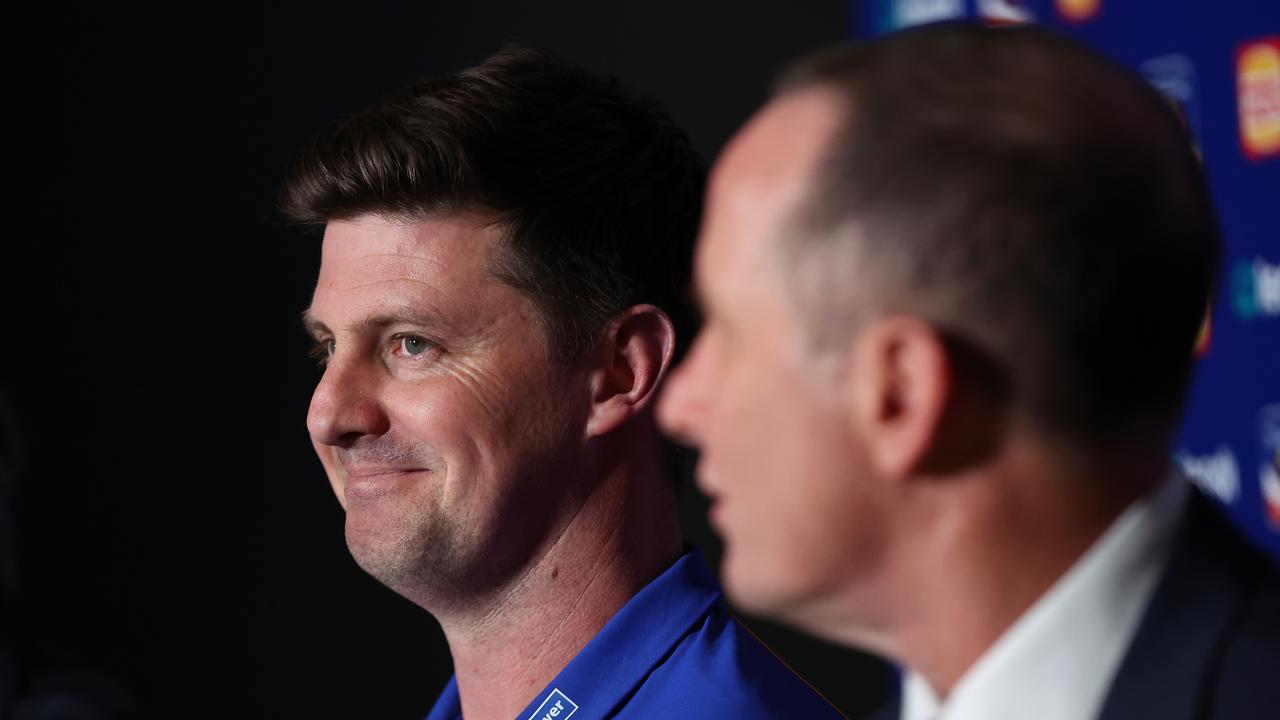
{"points": [[635, 353], [900, 383]]}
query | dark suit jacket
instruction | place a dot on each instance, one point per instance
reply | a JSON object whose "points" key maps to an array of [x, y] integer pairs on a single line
{"points": [[1208, 645]]}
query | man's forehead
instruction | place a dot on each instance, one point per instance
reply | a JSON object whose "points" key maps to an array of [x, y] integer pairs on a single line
{"points": [[374, 241], [765, 173], [370, 264], [781, 144]]}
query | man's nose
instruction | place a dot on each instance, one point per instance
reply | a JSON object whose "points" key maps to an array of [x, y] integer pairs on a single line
{"points": [[346, 404], [682, 407]]}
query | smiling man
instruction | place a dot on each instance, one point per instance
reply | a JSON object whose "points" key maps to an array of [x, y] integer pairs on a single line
{"points": [[504, 256], [952, 283]]}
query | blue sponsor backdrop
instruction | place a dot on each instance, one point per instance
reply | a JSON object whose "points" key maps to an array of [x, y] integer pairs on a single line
{"points": [[1220, 63]]}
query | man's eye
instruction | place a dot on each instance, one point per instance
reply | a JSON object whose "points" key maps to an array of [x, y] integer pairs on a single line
{"points": [[323, 350], [414, 345]]}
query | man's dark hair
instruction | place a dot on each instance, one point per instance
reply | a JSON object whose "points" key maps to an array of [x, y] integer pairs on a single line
{"points": [[1029, 197], [598, 192]]}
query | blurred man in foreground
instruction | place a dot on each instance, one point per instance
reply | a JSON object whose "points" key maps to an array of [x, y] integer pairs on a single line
{"points": [[952, 281], [504, 258]]}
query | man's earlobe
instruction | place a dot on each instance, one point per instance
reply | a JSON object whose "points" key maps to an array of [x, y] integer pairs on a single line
{"points": [[899, 385], [636, 350]]}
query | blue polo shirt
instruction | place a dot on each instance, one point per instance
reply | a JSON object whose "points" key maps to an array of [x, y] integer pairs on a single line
{"points": [[673, 651]]}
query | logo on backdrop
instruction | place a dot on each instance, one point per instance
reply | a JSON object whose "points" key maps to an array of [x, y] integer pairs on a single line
{"points": [[1005, 11], [1269, 463], [917, 12], [1175, 76], [1258, 97], [1255, 289], [1217, 473], [557, 706], [1078, 10]]}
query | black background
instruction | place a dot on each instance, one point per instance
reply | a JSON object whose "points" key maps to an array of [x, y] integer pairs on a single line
{"points": [[173, 529]]}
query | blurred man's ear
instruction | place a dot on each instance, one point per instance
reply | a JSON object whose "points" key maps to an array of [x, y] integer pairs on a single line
{"points": [[899, 385], [635, 352]]}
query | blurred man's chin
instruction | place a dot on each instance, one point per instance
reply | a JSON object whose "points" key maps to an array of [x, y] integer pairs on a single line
{"points": [[752, 587], [768, 589]]}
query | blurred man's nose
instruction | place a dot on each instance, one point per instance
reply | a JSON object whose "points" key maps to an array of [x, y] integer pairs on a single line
{"points": [[682, 407], [346, 404]]}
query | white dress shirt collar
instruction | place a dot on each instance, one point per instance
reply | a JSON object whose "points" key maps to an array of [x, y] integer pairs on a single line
{"points": [[1056, 661]]}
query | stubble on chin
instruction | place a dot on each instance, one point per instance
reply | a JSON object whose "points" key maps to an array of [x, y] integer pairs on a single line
{"points": [[416, 552]]}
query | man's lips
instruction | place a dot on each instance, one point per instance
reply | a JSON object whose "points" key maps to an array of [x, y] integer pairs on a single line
{"points": [[715, 500], [366, 483], [702, 478], [373, 473], [716, 514]]}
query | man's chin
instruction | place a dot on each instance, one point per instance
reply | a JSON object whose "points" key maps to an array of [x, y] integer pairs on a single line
{"points": [[750, 586], [756, 588], [800, 602], [377, 527], [408, 553], [389, 560]]}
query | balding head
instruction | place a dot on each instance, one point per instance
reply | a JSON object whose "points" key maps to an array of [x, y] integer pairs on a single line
{"points": [[1025, 196]]}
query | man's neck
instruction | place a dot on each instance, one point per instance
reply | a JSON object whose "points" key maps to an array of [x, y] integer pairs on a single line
{"points": [[996, 554], [623, 537]]}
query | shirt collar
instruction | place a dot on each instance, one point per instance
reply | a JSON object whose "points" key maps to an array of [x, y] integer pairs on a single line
{"points": [[1056, 661], [618, 659]]}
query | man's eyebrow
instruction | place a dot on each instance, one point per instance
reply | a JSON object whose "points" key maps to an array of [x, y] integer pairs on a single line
{"points": [[401, 316], [313, 326]]}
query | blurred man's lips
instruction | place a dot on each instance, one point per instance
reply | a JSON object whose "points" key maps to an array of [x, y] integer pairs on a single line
{"points": [[714, 504], [715, 515], [703, 481]]}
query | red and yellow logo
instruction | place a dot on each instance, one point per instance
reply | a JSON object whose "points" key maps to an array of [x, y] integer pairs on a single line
{"points": [[1078, 10], [1258, 93]]}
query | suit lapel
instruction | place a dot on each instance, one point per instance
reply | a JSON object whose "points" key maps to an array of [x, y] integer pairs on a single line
{"points": [[1175, 654], [890, 710]]}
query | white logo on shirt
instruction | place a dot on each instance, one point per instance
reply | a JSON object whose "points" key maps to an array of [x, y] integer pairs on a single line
{"points": [[557, 706]]}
